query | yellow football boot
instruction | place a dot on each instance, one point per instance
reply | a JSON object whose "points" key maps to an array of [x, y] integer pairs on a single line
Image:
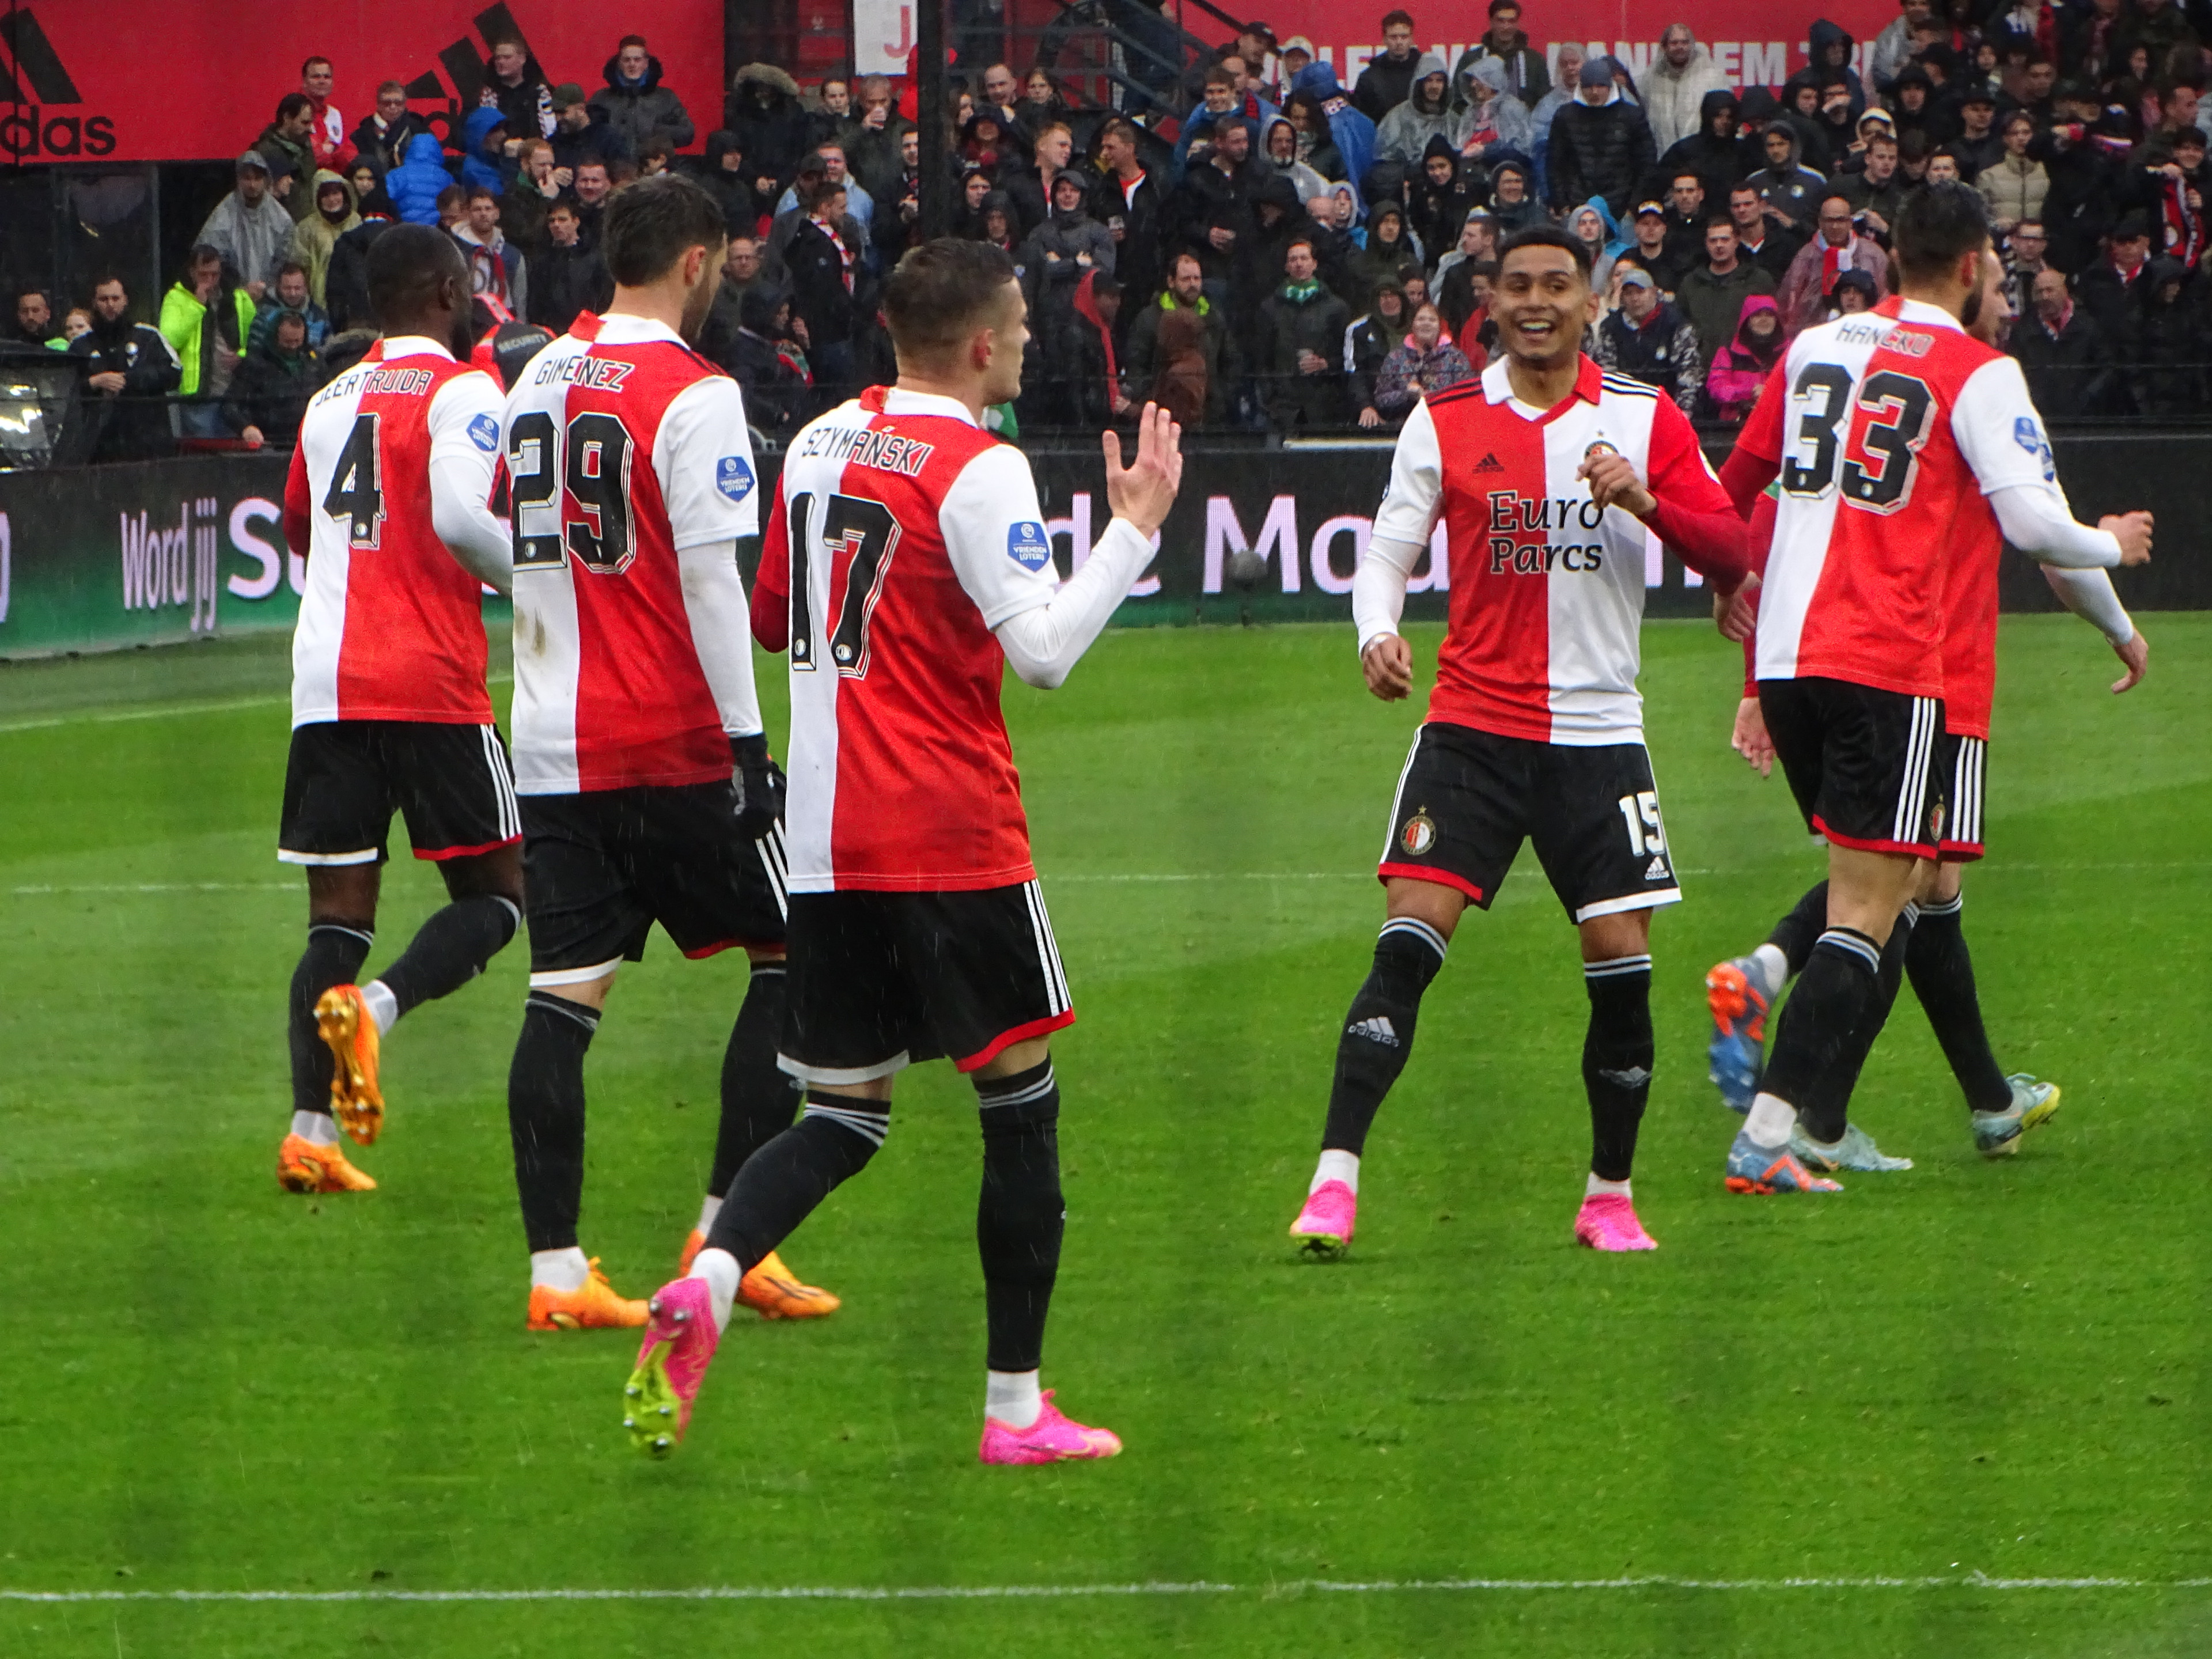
{"points": [[771, 1291], [349, 1032], [304, 1167], [595, 1307]]}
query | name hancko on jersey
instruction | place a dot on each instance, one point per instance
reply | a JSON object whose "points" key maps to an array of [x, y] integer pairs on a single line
{"points": [[887, 452]]}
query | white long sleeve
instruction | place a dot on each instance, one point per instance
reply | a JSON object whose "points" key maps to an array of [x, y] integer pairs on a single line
{"points": [[461, 515], [1044, 643], [721, 631], [2037, 520], [1378, 587], [2089, 594]]}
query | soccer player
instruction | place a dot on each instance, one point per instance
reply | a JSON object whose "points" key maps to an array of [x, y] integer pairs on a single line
{"points": [[1892, 432], [388, 496], [1550, 476], [648, 791], [1928, 945], [906, 564]]}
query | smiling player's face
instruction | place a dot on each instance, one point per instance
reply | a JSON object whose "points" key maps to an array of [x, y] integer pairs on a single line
{"points": [[1543, 303]]}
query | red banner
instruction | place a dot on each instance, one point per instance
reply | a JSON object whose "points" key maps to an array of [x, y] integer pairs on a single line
{"points": [[126, 81], [1755, 45]]}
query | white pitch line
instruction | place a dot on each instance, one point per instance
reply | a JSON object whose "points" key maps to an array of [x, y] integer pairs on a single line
{"points": [[1972, 1581], [167, 710]]}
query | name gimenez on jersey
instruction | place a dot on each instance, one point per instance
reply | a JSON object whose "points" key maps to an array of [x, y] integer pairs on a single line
{"points": [[599, 373], [859, 446]]}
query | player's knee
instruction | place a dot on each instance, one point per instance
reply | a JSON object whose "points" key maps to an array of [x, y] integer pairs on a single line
{"points": [[845, 1130]]}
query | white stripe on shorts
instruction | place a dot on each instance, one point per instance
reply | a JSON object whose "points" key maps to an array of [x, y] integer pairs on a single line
{"points": [[1057, 1001], [1919, 748]]}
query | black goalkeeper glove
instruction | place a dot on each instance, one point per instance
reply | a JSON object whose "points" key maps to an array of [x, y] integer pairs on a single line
{"points": [[759, 783]]}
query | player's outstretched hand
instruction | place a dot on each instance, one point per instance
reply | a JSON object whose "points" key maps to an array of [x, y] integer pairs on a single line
{"points": [[1389, 665], [1749, 739], [1614, 483], [1143, 492], [2134, 531], [2136, 653]]}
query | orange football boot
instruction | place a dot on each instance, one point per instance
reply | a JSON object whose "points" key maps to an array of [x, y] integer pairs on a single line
{"points": [[595, 1307], [304, 1167], [771, 1291], [349, 1032]]}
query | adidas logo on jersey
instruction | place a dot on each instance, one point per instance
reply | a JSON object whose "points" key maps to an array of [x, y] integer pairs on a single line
{"points": [[1656, 871], [1376, 1028], [1489, 463]]}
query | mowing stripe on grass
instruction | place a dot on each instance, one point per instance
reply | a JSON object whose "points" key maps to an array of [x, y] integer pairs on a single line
{"points": [[1971, 1581]]}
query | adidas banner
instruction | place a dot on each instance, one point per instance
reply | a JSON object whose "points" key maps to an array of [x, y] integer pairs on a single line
{"points": [[122, 80]]}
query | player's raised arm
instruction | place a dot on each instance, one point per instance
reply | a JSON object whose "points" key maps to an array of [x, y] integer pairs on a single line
{"points": [[1403, 524]]}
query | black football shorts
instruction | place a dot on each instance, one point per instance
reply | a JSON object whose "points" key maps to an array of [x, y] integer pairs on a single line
{"points": [[599, 869], [1860, 762], [878, 980], [344, 779], [1963, 764], [1468, 799]]}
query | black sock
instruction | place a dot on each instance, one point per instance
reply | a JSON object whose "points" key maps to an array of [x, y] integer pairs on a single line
{"points": [[1942, 972], [759, 1100], [1797, 933], [1378, 1033], [1835, 1093], [1617, 1055], [1819, 1037], [545, 1117], [1020, 1214], [333, 956], [781, 1185], [450, 948]]}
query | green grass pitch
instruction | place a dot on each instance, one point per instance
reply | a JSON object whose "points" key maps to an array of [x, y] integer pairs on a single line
{"points": [[206, 1385]]}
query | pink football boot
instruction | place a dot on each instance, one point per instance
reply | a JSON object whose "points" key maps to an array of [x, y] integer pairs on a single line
{"points": [[1607, 1221], [1324, 1228], [1053, 1438], [680, 1339]]}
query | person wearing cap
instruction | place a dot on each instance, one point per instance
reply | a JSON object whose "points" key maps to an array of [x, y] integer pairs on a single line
{"points": [[1648, 253], [635, 105], [250, 227], [1647, 338], [1526, 77], [2111, 289], [1391, 75], [577, 138], [1979, 144], [1600, 144]]}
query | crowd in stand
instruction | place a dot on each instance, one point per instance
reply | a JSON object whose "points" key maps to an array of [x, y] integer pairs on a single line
{"points": [[1289, 254]]}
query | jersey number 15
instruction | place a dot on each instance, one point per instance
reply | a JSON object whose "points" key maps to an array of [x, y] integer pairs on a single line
{"points": [[1883, 457]]}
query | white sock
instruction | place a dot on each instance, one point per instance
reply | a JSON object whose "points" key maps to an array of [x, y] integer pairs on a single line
{"points": [[1769, 1122], [1336, 1166], [559, 1270], [1773, 968], [317, 1128], [383, 1006], [1013, 1397], [717, 1271], [1595, 1186], [709, 1207]]}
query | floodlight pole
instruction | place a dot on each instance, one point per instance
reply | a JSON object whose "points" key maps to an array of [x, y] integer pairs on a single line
{"points": [[933, 102]]}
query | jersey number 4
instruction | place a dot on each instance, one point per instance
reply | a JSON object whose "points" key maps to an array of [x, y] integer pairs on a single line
{"points": [[356, 491], [1883, 457], [597, 466], [863, 535]]}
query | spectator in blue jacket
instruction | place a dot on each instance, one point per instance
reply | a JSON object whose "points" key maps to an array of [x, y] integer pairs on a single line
{"points": [[413, 185], [484, 148]]}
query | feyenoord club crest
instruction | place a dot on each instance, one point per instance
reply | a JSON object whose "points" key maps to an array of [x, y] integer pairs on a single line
{"points": [[1935, 822], [1419, 833], [1598, 446]]}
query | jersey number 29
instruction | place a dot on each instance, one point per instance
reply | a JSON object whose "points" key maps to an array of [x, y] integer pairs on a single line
{"points": [[863, 535], [597, 463], [1883, 457]]}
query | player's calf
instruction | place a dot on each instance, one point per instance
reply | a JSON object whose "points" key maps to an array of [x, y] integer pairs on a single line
{"points": [[333, 956], [1371, 1050], [1617, 1052]]}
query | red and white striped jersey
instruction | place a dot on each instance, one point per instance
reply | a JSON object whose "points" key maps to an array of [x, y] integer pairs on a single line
{"points": [[1890, 427], [1547, 588], [391, 626], [902, 535], [630, 472]]}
